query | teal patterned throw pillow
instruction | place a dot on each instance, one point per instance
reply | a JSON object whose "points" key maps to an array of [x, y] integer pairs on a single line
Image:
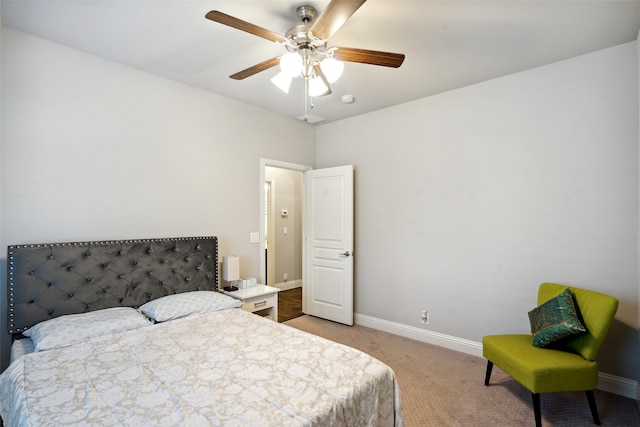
{"points": [[554, 320]]}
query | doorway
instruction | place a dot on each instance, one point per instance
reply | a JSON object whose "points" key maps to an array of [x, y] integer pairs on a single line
{"points": [[282, 234], [268, 230]]}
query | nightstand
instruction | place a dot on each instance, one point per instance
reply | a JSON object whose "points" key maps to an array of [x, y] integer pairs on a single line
{"points": [[260, 299]]}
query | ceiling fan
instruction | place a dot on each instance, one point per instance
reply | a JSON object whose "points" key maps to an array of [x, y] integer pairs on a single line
{"points": [[307, 53]]}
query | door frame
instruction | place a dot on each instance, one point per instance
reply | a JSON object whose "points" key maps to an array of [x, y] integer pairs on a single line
{"points": [[282, 165], [269, 231]]}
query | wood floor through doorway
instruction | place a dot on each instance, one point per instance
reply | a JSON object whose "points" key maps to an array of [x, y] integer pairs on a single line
{"points": [[289, 304]]}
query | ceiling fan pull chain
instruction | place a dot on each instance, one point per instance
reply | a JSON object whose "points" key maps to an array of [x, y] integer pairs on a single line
{"points": [[306, 100]]}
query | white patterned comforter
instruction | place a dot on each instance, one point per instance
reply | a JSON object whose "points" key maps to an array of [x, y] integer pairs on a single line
{"points": [[229, 368]]}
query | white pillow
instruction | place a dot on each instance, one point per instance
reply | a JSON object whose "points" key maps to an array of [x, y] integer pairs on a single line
{"points": [[187, 303], [71, 329]]}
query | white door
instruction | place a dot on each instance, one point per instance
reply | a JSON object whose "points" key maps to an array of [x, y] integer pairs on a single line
{"points": [[328, 244]]}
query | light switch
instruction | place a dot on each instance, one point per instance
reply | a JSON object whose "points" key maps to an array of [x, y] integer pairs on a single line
{"points": [[254, 237], [285, 230]]}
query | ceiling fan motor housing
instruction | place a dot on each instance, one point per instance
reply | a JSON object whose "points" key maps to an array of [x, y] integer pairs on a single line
{"points": [[299, 35]]}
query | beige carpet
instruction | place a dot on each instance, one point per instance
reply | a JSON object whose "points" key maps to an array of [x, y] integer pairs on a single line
{"points": [[442, 387]]}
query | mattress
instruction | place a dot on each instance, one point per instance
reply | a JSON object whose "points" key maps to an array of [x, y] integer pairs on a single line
{"points": [[225, 368]]}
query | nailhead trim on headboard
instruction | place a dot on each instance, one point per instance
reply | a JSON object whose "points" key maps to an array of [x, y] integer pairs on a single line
{"points": [[54, 279]]}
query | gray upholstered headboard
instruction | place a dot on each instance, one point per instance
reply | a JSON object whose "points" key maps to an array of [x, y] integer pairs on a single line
{"points": [[50, 280]]}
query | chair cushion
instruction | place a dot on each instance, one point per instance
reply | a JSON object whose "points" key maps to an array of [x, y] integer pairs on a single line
{"points": [[540, 370], [554, 320]]}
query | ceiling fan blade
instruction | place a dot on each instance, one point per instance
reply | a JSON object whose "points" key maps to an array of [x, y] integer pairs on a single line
{"points": [[248, 27], [264, 65], [334, 16], [320, 74], [372, 57]]}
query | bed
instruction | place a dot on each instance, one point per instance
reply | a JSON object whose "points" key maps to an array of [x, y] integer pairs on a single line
{"points": [[134, 332]]}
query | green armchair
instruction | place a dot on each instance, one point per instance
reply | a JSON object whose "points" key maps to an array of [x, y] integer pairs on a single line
{"points": [[566, 365]]}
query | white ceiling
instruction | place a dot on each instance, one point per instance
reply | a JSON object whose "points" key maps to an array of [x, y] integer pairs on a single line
{"points": [[448, 44]]}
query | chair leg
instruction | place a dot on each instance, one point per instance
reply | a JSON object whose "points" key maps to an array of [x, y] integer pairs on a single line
{"points": [[592, 405], [488, 374], [536, 409]]}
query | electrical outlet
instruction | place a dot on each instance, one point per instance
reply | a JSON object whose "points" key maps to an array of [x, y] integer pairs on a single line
{"points": [[424, 317], [285, 277]]}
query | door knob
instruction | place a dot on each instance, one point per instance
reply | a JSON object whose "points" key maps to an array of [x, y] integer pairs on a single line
{"points": [[344, 254]]}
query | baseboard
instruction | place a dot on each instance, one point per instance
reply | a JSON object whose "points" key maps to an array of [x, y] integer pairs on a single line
{"points": [[606, 382], [618, 385], [430, 337], [290, 284]]}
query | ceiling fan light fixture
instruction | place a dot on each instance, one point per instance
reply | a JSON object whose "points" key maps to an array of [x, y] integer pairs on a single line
{"points": [[332, 69], [283, 81], [291, 64], [317, 87]]}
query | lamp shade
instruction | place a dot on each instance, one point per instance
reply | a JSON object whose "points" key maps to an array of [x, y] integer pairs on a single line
{"points": [[282, 80], [231, 268], [291, 64], [332, 69], [317, 87]]}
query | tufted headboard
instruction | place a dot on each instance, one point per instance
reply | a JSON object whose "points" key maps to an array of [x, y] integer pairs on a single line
{"points": [[50, 280]]}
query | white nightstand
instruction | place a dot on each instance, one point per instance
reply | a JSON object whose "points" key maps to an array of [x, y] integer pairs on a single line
{"points": [[260, 299]]}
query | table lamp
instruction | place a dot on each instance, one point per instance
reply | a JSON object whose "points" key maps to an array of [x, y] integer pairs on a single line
{"points": [[231, 271]]}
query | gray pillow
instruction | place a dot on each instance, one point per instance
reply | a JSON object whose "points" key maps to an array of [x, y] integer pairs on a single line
{"points": [[70, 329], [186, 304]]}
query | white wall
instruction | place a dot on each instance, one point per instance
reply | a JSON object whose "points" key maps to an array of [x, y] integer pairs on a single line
{"points": [[467, 200], [94, 150]]}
